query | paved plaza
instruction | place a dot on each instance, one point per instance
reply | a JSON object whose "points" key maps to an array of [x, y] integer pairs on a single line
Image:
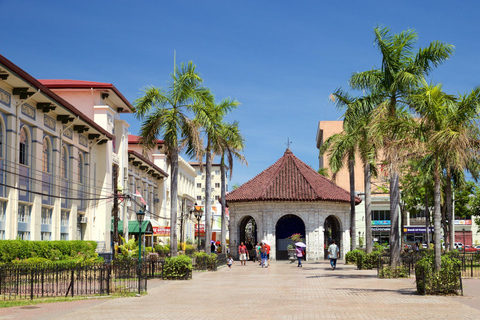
{"points": [[281, 291]]}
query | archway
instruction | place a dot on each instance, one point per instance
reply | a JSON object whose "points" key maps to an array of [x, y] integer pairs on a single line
{"points": [[286, 226], [248, 234], [331, 232]]}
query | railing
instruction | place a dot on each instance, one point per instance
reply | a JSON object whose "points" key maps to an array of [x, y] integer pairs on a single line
{"points": [[470, 264], [43, 281]]}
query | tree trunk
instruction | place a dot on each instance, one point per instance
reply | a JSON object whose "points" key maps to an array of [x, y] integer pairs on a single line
{"points": [[224, 203], [436, 219], [173, 201], [427, 220], [394, 217], [450, 214], [353, 227], [208, 193], [368, 208]]}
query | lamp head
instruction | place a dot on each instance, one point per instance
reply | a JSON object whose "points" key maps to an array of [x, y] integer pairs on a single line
{"points": [[140, 216]]}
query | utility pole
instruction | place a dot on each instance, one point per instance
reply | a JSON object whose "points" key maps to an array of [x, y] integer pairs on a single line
{"points": [[115, 209]]}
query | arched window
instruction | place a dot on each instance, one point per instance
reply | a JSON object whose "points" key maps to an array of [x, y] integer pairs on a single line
{"points": [[80, 168], [46, 155], [23, 148], [64, 168]]}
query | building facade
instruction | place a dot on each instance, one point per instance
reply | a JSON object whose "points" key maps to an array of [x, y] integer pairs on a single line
{"points": [[55, 163], [413, 227]]}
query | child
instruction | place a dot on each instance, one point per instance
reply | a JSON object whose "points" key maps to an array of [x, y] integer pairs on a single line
{"points": [[229, 262], [264, 256]]}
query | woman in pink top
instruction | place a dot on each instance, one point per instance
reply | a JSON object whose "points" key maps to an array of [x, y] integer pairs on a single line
{"points": [[299, 253]]}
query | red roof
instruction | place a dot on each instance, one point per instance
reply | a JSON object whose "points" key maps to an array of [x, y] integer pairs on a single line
{"points": [[289, 179], [132, 139], [80, 84]]}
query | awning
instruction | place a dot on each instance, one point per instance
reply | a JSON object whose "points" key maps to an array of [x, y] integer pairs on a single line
{"points": [[133, 227]]}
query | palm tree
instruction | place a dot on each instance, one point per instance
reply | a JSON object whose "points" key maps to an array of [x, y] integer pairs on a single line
{"points": [[230, 150], [356, 122], [341, 148], [211, 119], [400, 73], [451, 139], [166, 113]]}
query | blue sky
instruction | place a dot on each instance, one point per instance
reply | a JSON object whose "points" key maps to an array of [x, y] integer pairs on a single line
{"points": [[279, 59]]}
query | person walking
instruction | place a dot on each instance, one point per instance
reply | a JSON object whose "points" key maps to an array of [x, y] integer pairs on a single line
{"points": [[299, 253], [229, 262], [258, 253], [264, 256], [242, 251], [268, 253], [333, 254]]}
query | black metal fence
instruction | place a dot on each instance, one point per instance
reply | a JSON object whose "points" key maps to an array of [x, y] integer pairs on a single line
{"points": [[50, 280], [53, 280], [470, 264]]}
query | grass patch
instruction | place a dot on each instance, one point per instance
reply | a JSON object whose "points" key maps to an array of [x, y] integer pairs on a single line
{"points": [[25, 302]]}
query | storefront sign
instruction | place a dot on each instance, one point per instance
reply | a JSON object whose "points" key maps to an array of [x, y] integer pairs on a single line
{"points": [[380, 222], [416, 230], [464, 222], [161, 231], [380, 229]]}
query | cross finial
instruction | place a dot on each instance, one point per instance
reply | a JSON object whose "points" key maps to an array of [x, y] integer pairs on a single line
{"points": [[288, 143]]}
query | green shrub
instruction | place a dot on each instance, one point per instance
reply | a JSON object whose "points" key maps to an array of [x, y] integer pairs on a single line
{"points": [[351, 257], [53, 250], [190, 249], [163, 251], [204, 261], [179, 267], [389, 272], [446, 281]]}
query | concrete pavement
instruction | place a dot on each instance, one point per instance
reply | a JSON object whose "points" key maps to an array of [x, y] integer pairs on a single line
{"points": [[281, 291]]}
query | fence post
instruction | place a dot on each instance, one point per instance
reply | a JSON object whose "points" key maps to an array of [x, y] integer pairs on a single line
{"points": [[471, 267], [31, 284], [108, 279], [73, 279]]}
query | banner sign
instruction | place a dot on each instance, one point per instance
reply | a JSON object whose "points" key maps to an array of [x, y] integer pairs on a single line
{"points": [[380, 222], [465, 222], [416, 230], [380, 229], [200, 228], [161, 231]]}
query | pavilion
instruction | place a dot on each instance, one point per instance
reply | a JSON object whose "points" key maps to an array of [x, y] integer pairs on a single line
{"points": [[286, 198]]}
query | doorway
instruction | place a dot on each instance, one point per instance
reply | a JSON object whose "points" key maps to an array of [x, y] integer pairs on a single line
{"points": [[331, 232], [285, 228]]}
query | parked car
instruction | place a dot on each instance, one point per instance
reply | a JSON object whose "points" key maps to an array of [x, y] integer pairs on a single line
{"points": [[470, 249], [478, 248], [458, 245]]}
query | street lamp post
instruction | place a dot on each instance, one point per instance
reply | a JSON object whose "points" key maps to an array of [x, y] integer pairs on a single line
{"points": [[463, 230], [140, 217], [198, 215]]}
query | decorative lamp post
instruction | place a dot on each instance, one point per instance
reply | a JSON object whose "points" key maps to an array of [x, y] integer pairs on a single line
{"points": [[198, 212], [463, 230], [140, 217]]}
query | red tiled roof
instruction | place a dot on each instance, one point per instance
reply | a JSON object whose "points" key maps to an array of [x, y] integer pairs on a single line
{"points": [[132, 139], [289, 179], [80, 84], [35, 83]]}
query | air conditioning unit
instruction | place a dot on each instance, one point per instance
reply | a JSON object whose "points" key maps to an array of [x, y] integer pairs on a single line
{"points": [[82, 219]]}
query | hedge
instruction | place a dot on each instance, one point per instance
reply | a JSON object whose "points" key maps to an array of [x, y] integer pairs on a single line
{"points": [[52, 250]]}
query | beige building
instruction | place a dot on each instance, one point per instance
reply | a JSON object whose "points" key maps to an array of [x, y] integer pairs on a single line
{"points": [[414, 227], [216, 191]]}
